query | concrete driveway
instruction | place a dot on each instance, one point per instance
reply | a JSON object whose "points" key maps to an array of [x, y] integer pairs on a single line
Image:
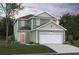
{"points": [[63, 48]]}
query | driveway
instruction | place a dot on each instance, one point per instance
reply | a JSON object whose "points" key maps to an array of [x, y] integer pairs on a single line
{"points": [[63, 48]]}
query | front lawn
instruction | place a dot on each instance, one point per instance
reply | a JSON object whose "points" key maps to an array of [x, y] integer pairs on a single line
{"points": [[75, 43], [26, 49]]}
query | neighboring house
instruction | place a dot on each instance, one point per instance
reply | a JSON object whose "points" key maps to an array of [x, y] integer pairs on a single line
{"points": [[42, 29]]}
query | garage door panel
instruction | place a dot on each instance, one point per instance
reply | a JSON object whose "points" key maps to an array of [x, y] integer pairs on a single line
{"points": [[50, 38]]}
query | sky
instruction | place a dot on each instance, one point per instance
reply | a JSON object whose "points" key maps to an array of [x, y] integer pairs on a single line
{"points": [[54, 9]]}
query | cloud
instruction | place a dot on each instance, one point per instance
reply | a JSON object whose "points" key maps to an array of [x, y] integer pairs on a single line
{"points": [[55, 9]]}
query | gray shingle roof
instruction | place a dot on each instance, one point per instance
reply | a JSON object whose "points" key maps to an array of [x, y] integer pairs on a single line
{"points": [[26, 17]]}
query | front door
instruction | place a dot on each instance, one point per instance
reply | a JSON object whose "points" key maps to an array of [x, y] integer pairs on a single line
{"points": [[22, 37]]}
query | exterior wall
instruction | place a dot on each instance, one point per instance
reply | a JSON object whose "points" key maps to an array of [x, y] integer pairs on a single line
{"points": [[29, 23], [50, 26], [15, 31], [19, 24], [33, 37], [34, 22], [26, 23], [42, 21], [28, 37], [44, 15], [23, 23]]}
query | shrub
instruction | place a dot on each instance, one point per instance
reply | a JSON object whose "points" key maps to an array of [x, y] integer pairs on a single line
{"points": [[31, 43]]}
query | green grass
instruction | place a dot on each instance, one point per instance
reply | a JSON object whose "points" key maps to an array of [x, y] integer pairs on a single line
{"points": [[25, 49], [75, 43]]}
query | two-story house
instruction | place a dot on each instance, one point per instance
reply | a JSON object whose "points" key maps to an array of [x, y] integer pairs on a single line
{"points": [[42, 29]]}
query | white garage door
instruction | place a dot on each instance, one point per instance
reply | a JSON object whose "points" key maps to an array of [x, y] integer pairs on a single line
{"points": [[50, 37]]}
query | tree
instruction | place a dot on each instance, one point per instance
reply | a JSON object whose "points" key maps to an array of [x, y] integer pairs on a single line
{"points": [[3, 27], [71, 23], [10, 10]]}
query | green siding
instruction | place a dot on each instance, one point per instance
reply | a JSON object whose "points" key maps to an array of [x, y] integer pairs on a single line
{"points": [[26, 23], [33, 36], [42, 21], [29, 23], [27, 37], [19, 24], [34, 22], [15, 31]]}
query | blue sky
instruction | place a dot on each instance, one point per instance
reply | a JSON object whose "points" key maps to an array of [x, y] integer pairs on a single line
{"points": [[54, 9]]}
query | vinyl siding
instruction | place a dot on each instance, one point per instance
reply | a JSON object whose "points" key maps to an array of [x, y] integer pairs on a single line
{"points": [[27, 23], [19, 24], [42, 21], [28, 37], [15, 31], [33, 36], [34, 23]]}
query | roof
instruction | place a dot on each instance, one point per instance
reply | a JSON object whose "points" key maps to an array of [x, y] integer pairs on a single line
{"points": [[43, 14], [37, 27], [26, 17], [33, 16], [25, 28]]}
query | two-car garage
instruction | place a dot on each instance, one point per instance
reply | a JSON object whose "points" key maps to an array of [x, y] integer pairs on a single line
{"points": [[51, 37], [51, 33]]}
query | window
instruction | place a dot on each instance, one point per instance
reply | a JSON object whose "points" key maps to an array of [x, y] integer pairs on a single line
{"points": [[37, 21], [22, 23]]}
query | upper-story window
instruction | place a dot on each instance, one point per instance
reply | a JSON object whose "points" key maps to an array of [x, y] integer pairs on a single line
{"points": [[22, 23], [37, 21]]}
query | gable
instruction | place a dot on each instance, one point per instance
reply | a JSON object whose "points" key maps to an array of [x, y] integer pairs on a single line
{"points": [[51, 26], [44, 14]]}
